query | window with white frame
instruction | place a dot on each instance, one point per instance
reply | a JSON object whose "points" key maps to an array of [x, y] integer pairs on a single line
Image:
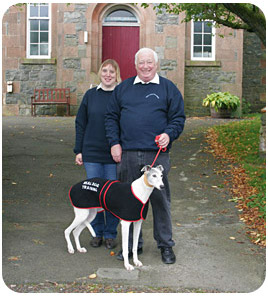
{"points": [[203, 41], [120, 16], [38, 30]]}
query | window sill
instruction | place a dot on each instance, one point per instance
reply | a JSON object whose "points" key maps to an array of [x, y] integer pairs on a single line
{"points": [[25, 61], [190, 63]]}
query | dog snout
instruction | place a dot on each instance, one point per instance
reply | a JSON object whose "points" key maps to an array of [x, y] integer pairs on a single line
{"points": [[162, 187]]}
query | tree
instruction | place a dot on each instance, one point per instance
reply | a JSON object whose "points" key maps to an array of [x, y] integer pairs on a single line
{"points": [[234, 15]]}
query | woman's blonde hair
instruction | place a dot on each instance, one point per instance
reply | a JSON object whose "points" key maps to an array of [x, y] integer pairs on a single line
{"points": [[115, 66]]}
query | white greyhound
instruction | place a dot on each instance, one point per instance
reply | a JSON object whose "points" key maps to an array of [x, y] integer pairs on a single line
{"points": [[142, 189]]}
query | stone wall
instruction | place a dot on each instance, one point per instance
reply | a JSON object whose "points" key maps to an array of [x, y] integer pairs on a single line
{"points": [[170, 42], [254, 71], [25, 74], [74, 52], [200, 81], [30, 76], [74, 63]]}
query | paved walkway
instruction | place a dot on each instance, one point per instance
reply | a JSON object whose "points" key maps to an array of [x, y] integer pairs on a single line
{"points": [[38, 170]]}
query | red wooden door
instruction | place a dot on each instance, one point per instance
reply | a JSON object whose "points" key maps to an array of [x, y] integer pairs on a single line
{"points": [[121, 44]]}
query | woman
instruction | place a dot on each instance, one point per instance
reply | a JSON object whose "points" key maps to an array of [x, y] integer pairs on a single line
{"points": [[92, 149]]}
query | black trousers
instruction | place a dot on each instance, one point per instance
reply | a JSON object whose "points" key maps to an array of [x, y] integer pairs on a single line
{"points": [[128, 170]]}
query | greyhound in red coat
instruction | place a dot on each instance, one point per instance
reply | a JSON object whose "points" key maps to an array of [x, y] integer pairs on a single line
{"points": [[142, 189]]}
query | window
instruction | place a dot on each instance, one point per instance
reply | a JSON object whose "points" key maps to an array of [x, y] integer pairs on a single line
{"points": [[203, 41], [119, 17], [38, 30]]}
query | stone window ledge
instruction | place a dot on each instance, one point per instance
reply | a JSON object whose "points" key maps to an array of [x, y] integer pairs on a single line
{"points": [[189, 63], [25, 61]]}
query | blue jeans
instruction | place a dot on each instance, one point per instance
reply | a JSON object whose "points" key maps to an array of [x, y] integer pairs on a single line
{"points": [[105, 224]]}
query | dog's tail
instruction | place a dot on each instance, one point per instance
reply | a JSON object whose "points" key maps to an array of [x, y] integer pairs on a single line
{"points": [[90, 228]]}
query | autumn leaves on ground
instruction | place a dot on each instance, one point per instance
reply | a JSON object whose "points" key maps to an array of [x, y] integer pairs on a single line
{"points": [[236, 146]]}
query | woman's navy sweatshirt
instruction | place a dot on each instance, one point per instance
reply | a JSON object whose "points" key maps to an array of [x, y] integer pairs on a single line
{"points": [[137, 113], [90, 130]]}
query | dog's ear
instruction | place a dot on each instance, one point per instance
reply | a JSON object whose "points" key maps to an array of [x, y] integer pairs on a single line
{"points": [[160, 167], [146, 168]]}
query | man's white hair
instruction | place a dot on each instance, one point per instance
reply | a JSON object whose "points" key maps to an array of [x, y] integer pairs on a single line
{"points": [[143, 50]]}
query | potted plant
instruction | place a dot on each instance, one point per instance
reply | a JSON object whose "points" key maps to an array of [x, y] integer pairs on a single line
{"points": [[222, 104]]}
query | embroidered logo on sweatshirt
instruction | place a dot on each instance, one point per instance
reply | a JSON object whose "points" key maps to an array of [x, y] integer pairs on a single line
{"points": [[153, 94]]}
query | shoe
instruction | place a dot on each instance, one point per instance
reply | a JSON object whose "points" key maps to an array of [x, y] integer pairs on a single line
{"points": [[96, 242], [110, 243], [120, 257], [168, 256]]}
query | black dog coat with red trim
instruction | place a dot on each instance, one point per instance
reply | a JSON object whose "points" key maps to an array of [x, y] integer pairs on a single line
{"points": [[113, 196]]}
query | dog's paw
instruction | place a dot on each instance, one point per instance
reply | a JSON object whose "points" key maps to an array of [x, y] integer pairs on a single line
{"points": [[129, 267], [82, 250], [138, 263], [71, 250]]}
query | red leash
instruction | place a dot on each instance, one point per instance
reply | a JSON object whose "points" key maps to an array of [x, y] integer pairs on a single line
{"points": [[160, 149]]}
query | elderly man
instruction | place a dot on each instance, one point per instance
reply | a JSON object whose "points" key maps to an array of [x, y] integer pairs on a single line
{"points": [[141, 108]]}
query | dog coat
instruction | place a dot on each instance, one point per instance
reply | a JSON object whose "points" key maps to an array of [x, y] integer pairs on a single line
{"points": [[113, 196]]}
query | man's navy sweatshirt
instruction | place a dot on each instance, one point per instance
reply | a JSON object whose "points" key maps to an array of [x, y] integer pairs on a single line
{"points": [[90, 131], [137, 113]]}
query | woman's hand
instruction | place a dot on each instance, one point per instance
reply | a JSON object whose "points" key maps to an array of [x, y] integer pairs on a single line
{"points": [[116, 152], [79, 159]]}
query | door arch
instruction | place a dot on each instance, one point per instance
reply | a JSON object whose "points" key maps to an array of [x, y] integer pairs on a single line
{"points": [[120, 38]]}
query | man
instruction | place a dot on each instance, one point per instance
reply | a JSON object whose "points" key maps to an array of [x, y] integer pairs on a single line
{"points": [[141, 108]]}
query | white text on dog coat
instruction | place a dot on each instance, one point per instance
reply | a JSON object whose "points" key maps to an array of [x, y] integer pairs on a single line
{"points": [[87, 185]]}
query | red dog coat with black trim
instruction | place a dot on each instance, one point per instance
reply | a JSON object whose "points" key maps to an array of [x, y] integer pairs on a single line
{"points": [[113, 196]]}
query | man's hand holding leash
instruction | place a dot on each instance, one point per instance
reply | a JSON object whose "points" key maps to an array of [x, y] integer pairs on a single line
{"points": [[161, 140]]}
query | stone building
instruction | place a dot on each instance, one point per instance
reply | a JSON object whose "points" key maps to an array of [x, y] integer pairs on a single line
{"points": [[62, 45]]}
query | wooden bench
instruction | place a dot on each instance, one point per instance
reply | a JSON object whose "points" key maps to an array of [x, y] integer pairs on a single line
{"points": [[49, 96]]}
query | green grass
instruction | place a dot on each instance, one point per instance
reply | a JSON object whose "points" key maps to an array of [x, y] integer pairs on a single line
{"points": [[241, 140]]}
